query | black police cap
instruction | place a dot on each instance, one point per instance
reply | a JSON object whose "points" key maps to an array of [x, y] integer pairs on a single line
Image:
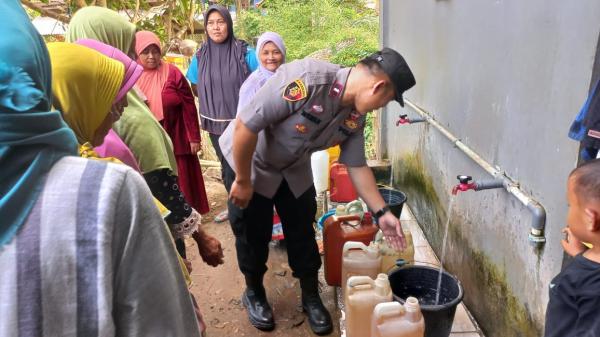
{"points": [[394, 65]]}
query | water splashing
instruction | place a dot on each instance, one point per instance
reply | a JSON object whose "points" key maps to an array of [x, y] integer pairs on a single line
{"points": [[443, 255], [391, 175]]}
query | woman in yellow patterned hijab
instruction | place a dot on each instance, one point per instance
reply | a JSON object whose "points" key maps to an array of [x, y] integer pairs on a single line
{"points": [[85, 84]]}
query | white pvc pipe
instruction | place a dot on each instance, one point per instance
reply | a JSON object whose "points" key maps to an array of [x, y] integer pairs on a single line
{"points": [[536, 235]]}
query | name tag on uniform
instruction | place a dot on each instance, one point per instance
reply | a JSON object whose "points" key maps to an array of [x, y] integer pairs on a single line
{"points": [[310, 117]]}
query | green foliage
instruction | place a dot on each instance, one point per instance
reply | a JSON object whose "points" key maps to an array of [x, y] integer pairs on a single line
{"points": [[341, 31], [179, 10], [249, 25], [226, 3], [155, 26], [370, 150], [31, 13]]}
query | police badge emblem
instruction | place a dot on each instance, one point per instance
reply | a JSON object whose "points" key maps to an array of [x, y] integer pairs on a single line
{"points": [[295, 91]]}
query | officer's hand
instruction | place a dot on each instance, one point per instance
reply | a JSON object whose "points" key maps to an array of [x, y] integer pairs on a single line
{"points": [[392, 230], [241, 193], [571, 244]]}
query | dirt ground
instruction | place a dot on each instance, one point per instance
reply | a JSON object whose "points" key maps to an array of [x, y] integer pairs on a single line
{"points": [[218, 290]]}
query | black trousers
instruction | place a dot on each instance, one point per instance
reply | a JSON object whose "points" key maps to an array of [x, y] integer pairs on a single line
{"points": [[253, 226]]}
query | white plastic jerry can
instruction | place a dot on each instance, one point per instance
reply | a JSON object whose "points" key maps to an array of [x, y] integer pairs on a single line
{"points": [[392, 319], [363, 294], [359, 259]]}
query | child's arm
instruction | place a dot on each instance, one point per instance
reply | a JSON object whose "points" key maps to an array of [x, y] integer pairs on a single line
{"points": [[571, 244]]}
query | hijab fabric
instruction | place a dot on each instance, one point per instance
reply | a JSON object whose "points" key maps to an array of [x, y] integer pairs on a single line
{"points": [[101, 24], [152, 81], [113, 146], [133, 71], [222, 70], [32, 137], [258, 78], [85, 84], [270, 37], [137, 127]]}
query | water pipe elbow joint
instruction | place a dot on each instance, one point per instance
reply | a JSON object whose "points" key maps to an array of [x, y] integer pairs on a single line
{"points": [[538, 221]]}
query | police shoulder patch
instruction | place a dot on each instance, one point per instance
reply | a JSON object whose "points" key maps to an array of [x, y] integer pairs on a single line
{"points": [[295, 91]]}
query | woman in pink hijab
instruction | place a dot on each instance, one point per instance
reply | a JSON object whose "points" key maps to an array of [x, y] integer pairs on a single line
{"points": [[113, 146], [171, 101]]}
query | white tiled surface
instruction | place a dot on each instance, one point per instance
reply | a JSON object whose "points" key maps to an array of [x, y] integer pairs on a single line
{"points": [[464, 324]]}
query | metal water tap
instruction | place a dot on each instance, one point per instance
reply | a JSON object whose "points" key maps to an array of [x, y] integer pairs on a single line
{"points": [[405, 120], [464, 184]]}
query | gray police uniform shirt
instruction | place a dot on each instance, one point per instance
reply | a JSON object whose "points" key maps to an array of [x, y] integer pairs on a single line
{"points": [[297, 112]]}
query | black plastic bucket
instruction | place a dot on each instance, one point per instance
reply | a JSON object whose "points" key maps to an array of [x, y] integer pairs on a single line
{"points": [[421, 282], [394, 199]]}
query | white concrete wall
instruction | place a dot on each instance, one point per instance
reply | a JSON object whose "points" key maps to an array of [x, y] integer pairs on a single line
{"points": [[507, 77]]}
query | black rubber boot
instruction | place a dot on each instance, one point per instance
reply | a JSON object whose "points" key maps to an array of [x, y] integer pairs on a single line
{"points": [[255, 301], [318, 316]]}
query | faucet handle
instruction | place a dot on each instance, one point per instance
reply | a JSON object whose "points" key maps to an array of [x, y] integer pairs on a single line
{"points": [[403, 120], [464, 179]]}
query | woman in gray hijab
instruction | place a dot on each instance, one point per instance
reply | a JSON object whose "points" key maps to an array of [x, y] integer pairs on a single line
{"points": [[217, 72]]}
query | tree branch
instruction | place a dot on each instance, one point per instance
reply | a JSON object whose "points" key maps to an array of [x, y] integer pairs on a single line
{"points": [[137, 12], [38, 7], [191, 17]]}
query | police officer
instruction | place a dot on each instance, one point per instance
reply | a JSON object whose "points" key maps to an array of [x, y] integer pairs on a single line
{"points": [[308, 105]]}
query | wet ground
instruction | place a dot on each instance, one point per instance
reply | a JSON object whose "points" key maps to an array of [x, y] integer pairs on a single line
{"points": [[218, 290]]}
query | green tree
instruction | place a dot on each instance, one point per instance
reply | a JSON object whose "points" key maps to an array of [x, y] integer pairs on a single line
{"points": [[168, 18]]}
